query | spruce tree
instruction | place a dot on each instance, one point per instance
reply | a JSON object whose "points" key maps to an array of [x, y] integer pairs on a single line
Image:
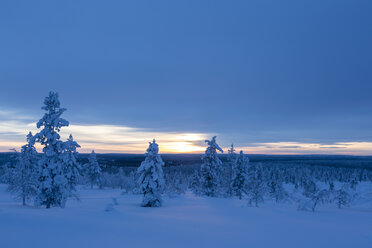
{"points": [[239, 177], [342, 196], [72, 168], [151, 179], [231, 155], [93, 170], [256, 187], [22, 177], [53, 187], [209, 168], [278, 193], [231, 160]]}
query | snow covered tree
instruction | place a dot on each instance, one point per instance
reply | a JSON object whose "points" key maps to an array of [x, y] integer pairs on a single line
{"points": [[72, 168], [231, 160], [342, 196], [231, 155], [239, 174], [256, 187], [93, 170], [314, 199], [53, 187], [275, 185], [22, 177], [209, 168], [278, 192], [151, 179], [313, 196], [174, 183], [353, 181], [195, 183]]}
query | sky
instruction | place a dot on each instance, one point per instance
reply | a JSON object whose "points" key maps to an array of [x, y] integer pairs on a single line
{"points": [[272, 77]]}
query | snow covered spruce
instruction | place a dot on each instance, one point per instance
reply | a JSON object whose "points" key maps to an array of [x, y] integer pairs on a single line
{"points": [[22, 177], [209, 169], [57, 164], [151, 179], [93, 170], [51, 177], [239, 175]]}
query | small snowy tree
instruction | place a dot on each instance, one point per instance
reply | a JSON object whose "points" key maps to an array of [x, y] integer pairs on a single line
{"points": [[239, 175], [256, 187], [231, 155], [342, 196], [278, 192], [93, 170], [22, 177], [53, 187], [313, 196], [174, 183], [72, 168], [209, 168], [195, 183], [151, 179]]}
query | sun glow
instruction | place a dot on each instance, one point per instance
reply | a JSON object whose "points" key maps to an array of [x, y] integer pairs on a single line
{"points": [[181, 147]]}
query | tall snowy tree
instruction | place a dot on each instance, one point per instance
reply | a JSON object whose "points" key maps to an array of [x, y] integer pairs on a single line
{"points": [[53, 187], [72, 168], [151, 179], [209, 168], [231, 155], [239, 175], [93, 170], [231, 160], [22, 177]]}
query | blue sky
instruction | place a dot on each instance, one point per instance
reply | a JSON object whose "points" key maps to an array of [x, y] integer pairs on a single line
{"points": [[269, 76]]}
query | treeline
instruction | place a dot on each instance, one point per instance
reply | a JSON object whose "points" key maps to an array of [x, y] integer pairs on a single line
{"points": [[306, 186]]}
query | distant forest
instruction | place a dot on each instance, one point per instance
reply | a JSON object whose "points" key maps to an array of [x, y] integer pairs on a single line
{"points": [[110, 161]]}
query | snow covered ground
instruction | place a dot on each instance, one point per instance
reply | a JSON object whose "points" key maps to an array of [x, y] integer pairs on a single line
{"points": [[184, 221]]}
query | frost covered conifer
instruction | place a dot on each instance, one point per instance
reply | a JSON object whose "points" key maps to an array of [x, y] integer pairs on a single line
{"points": [[195, 183], [342, 196], [72, 168], [239, 175], [93, 170], [209, 168], [314, 196], [22, 177], [279, 193], [231, 155], [231, 159], [256, 187], [53, 187], [151, 179]]}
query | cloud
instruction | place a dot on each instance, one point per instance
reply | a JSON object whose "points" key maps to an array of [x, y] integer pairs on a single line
{"points": [[123, 139], [332, 147], [13, 115], [341, 148], [107, 138]]}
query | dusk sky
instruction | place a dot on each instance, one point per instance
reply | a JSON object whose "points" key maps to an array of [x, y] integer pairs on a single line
{"points": [[272, 77]]}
